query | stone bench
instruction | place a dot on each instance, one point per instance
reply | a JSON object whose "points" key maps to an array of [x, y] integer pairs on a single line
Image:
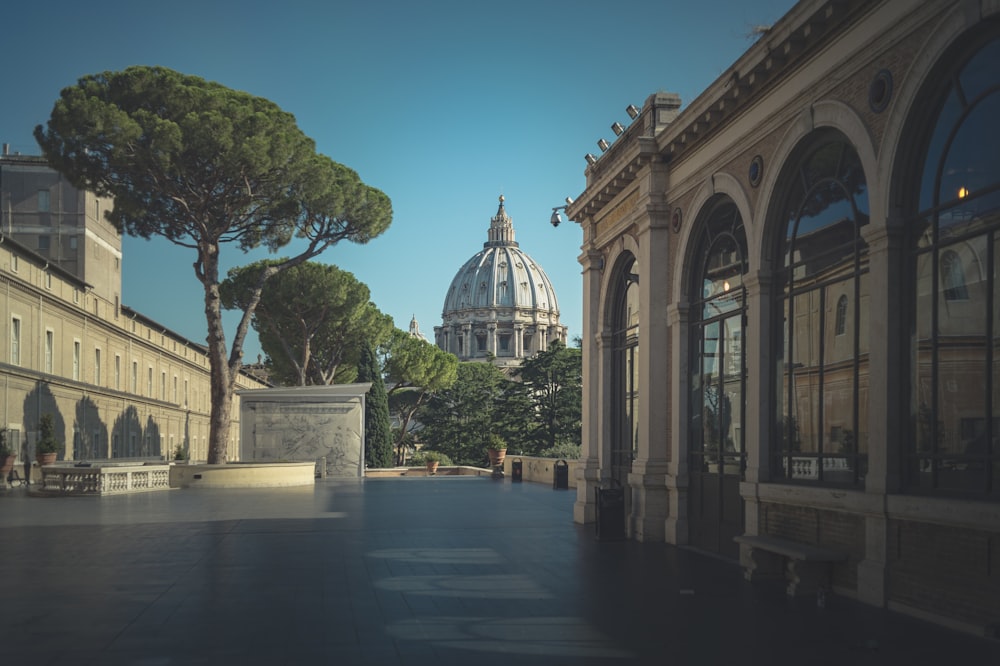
{"points": [[806, 567]]}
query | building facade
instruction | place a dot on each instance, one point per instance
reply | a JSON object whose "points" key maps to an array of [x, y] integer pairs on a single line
{"points": [[792, 305], [118, 384], [501, 304]]}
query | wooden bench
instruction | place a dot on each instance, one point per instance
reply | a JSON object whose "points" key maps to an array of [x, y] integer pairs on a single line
{"points": [[806, 567]]}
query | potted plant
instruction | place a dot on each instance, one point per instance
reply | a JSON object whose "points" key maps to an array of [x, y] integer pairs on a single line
{"points": [[47, 447], [496, 449], [6, 456], [432, 459]]}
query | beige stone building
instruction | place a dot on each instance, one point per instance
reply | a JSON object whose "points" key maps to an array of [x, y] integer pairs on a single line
{"points": [[792, 309], [118, 384]]}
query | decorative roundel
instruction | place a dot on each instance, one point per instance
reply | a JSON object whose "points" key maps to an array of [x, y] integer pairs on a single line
{"points": [[675, 220], [880, 91], [756, 170]]}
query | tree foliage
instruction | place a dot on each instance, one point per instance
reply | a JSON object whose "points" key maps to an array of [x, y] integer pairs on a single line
{"points": [[460, 419], [378, 429], [416, 370], [552, 381], [203, 165], [312, 320], [536, 410]]}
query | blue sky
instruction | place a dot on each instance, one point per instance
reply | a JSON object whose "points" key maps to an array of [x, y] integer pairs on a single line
{"points": [[444, 105]]}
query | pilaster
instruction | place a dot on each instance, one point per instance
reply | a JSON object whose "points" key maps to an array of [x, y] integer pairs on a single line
{"points": [[650, 500], [677, 478], [594, 352]]}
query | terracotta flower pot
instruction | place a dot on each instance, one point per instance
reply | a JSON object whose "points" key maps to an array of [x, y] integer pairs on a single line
{"points": [[432, 467], [496, 456], [46, 458]]}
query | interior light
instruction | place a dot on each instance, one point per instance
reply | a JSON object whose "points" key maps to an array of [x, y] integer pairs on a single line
{"points": [[725, 286], [962, 193]]}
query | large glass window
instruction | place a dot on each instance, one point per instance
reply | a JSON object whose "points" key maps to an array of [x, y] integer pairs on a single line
{"points": [[718, 371], [625, 373], [822, 347], [955, 353]]}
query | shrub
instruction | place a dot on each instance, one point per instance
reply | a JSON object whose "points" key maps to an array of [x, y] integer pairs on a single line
{"points": [[47, 442], [562, 450], [423, 457], [495, 442]]}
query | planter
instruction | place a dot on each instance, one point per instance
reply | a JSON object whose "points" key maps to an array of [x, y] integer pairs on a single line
{"points": [[496, 456], [46, 458], [432, 467]]}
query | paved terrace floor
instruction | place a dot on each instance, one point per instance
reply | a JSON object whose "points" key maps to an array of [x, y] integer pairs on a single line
{"points": [[441, 571]]}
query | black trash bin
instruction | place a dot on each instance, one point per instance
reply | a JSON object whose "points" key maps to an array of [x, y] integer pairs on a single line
{"points": [[610, 514], [516, 470], [560, 475]]}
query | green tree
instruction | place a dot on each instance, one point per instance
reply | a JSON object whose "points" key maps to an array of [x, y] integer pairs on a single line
{"points": [[416, 370], [378, 430], [553, 384], [312, 320], [460, 419], [203, 165]]}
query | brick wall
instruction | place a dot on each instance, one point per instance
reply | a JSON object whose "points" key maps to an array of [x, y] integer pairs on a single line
{"points": [[945, 570], [832, 529]]}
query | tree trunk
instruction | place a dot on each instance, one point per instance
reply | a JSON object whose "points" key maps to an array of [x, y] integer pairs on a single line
{"points": [[221, 373]]}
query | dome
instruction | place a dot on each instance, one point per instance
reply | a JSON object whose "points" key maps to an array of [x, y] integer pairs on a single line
{"points": [[500, 303]]}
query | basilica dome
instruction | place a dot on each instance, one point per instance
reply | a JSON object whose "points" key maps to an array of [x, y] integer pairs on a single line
{"points": [[500, 304]]}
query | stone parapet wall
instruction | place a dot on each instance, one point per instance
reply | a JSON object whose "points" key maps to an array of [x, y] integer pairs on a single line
{"points": [[539, 470], [444, 470], [243, 475]]}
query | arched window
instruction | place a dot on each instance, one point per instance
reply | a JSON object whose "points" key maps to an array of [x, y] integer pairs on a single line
{"points": [[955, 376], [717, 325], [841, 326], [625, 371], [818, 388], [717, 382], [953, 277]]}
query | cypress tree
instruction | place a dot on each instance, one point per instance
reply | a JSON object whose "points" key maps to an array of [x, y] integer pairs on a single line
{"points": [[378, 435]]}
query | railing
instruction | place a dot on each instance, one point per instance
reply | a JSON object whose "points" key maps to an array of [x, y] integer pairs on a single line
{"points": [[808, 468], [105, 479]]}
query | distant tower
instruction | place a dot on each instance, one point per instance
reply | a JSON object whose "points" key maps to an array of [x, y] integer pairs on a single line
{"points": [[500, 303], [415, 329]]}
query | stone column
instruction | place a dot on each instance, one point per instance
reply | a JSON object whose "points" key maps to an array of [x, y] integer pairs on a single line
{"points": [[648, 478], [759, 354], [678, 477], [885, 360], [467, 351], [594, 377]]}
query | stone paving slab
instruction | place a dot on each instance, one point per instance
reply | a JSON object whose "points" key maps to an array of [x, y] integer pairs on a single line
{"points": [[443, 571]]}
